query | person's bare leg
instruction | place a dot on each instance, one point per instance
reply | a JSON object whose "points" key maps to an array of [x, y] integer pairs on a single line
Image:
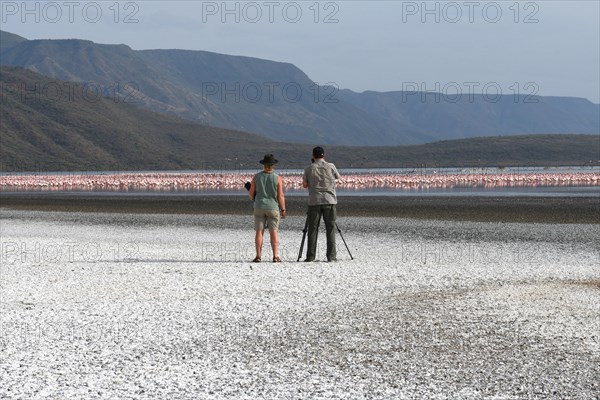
{"points": [[274, 242], [258, 242]]}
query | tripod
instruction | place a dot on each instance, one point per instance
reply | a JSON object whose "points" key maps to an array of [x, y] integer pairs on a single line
{"points": [[344, 240], [304, 232]]}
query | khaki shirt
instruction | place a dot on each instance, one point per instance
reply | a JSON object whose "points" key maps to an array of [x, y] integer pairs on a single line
{"points": [[322, 177]]}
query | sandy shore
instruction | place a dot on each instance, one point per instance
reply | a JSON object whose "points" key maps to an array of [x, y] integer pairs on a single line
{"points": [[482, 208], [148, 306]]}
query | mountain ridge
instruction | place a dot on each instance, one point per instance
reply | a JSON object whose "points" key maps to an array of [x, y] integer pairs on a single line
{"points": [[247, 94]]}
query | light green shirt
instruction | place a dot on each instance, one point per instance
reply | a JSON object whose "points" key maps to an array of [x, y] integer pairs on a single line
{"points": [[265, 196]]}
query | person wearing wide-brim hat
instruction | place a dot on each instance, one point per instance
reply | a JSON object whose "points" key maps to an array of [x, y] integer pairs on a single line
{"points": [[266, 190]]}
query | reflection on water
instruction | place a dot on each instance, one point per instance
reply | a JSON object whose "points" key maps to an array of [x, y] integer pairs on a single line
{"points": [[540, 191]]}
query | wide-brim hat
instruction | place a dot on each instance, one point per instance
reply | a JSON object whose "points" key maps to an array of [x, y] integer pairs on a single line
{"points": [[268, 159]]}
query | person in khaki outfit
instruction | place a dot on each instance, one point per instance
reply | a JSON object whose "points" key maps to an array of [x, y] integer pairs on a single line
{"points": [[320, 178]]}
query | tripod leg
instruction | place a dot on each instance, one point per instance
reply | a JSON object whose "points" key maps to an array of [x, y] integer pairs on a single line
{"points": [[344, 240], [303, 238]]}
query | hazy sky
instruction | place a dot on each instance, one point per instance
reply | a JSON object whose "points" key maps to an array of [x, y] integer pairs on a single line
{"points": [[529, 47]]}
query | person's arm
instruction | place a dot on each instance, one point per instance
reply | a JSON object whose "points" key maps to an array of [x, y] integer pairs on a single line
{"points": [[336, 173], [304, 180], [280, 197], [252, 190]]}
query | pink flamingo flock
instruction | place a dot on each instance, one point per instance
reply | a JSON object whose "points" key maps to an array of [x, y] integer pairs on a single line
{"points": [[234, 181]]}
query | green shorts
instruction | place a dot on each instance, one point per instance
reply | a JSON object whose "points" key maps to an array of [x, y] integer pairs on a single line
{"points": [[269, 218]]}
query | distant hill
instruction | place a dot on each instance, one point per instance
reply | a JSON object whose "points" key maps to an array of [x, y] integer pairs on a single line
{"points": [[478, 115], [262, 97], [42, 131], [180, 82], [8, 40], [55, 125]]}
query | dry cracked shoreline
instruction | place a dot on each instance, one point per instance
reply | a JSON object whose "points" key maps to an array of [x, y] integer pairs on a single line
{"points": [[146, 306]]}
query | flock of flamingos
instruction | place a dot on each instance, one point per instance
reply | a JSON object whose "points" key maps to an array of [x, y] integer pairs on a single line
{"points": [[185, 182]]}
